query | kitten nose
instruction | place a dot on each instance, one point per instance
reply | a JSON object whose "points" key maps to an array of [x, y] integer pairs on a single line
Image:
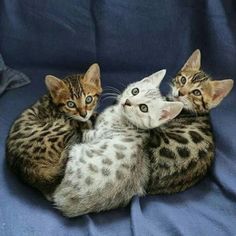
{"points": [[127, 102], [83, 114], [180, 94]]}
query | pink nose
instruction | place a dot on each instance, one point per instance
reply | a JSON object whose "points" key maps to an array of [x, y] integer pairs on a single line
{"points": [[127, 102], [83, 114]]}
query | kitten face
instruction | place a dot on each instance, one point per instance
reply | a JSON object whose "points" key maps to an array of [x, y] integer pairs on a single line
{"points": [[76, 95], [195, 89], [142, 104]]}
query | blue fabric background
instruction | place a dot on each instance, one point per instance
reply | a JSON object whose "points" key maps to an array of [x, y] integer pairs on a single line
{"points": [[129, 39], [10, 78]]}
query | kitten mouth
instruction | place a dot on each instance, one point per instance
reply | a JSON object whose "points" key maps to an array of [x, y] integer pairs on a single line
{"points": [[180, 99], [176, 97], [79, 118], [122, 104], [83, 119], [123, 109]]}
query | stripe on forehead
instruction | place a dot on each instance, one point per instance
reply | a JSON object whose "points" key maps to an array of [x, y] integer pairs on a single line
{"points": [[199, 77], [75, 86], [153, 93]]}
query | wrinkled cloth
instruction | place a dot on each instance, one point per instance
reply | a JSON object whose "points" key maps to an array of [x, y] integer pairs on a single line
{"points": [[10, 78], [130, 40]]}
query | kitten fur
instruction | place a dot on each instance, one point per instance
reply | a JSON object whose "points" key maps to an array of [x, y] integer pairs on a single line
{"points": [[182, 151], [110, 166], [39, 135]]}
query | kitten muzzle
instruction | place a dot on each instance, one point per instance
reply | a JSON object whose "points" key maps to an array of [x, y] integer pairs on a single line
{"points": [[127, 103]]}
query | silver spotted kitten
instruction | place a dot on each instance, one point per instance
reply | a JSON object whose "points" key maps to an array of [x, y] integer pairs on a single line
{"points": [[110, 167]]}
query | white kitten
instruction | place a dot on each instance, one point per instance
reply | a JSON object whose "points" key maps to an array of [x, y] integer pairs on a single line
{"points": [[110, 167]]}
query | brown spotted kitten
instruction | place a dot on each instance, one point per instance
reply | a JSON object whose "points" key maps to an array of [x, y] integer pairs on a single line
{"points": [[182, 151], [38, 137]]}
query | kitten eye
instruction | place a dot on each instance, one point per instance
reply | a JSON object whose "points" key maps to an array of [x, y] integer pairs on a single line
{"points": [[143, 108], [88, 99], [197, 92], [70, 104], [183, 80], [135, 91]]}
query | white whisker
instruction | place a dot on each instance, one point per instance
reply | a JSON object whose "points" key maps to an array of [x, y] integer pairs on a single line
{"points": [[112, 98], [113, 89], [110, 91], [113, 94]]}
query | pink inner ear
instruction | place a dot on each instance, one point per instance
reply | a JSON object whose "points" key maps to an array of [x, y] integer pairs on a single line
{"points": [[55, 84], [217, 95], [164, 115]]}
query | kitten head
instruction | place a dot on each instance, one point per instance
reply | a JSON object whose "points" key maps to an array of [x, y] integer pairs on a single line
{"points": [[195, 88], [142, 104], [77, 95]]}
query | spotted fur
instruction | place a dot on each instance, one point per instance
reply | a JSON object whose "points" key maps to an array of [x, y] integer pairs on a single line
{"points": [[41, 133], [114, 166], [182, 151]]}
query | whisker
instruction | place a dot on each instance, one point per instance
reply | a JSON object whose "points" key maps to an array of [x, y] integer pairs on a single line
{"points": [[112, 98], [108, 86], [104, 94], [110, 90], [113, 89]]}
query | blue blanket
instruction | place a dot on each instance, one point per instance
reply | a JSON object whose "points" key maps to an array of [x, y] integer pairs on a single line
{"points": [[10, 79], [129, 39]]}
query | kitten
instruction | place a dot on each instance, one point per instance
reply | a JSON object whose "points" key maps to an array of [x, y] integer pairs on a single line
{"points": [[110, 167], [42, 132], [182, 151]]}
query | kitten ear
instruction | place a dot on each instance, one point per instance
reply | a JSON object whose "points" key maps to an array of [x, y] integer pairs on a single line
{"points": [[220, 89], [170, 110], [54, 85], [194, 61], [156, 78], [92, 76]]}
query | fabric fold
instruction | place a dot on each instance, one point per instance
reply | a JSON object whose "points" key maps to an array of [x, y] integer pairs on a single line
{"points": [[10, 78]]}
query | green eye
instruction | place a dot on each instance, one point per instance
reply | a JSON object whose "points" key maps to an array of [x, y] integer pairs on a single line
{"points": [[135, 91], [183, 80], [143, 108], [70, 104], [197, 92], [89, 99]]}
